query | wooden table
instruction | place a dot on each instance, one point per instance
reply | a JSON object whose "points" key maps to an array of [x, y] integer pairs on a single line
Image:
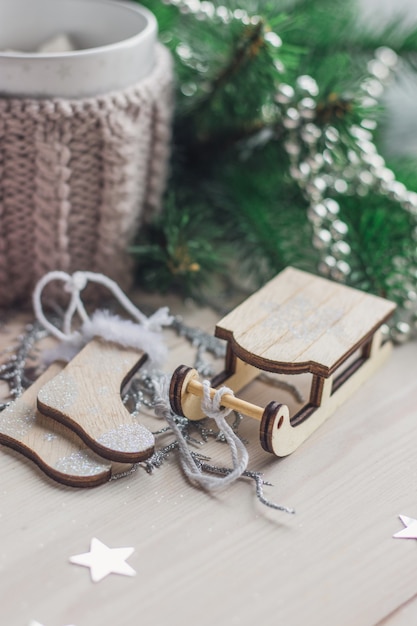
{"points": [[227, 560]]}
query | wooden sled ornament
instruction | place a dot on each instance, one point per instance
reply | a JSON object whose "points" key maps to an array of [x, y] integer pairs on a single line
{"points": [[296, 323]]}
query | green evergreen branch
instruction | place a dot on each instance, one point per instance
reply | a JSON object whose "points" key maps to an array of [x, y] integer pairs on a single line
{"points": [[248, 46], [228, 155]]}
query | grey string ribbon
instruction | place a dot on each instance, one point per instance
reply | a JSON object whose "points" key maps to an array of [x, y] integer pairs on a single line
{"points": [[212, 408]]}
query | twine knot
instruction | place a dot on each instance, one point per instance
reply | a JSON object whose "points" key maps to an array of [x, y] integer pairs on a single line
{"points": [[212, 405], [212, 408], [142, 333], [77, 282]]}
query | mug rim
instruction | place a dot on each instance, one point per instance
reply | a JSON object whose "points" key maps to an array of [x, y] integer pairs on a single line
{"points": [[150, 27]]}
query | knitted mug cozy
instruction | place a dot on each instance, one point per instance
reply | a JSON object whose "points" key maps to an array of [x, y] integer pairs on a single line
{"points": [[77, 178]]}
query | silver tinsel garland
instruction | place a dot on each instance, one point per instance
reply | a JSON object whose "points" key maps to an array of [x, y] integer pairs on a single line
{"points": [[18, 371]]}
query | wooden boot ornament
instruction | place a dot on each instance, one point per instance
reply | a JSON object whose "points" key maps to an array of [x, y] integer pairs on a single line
{"points": [[86, 396], [56, 450]]}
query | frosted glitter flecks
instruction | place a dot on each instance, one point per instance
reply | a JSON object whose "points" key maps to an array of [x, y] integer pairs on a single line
{"points": [[82, 463], [127, 438], [65, 386], [16, 423]]}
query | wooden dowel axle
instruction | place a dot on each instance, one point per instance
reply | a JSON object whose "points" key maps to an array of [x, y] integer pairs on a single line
{"points": [[228, 400]]}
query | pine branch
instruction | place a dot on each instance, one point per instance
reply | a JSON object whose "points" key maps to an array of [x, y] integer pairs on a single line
{"points": [[246, 48], [242, 154]]}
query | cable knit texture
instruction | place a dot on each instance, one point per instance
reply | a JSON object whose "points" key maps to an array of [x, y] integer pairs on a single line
{"points": [[78, 177]]}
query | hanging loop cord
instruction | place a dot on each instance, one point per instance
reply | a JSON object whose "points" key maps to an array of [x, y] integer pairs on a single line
{"points": [[75, 284], [212, 408]]}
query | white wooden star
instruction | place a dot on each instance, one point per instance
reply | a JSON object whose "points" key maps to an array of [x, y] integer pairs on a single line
{"points": [[410, 530], [103, 560]]}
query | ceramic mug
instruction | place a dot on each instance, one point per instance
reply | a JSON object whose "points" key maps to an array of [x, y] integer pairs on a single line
{"points": [[84, 137], [114, 41]]}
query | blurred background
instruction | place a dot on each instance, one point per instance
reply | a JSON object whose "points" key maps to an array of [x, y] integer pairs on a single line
{"points": [[400, 135]]}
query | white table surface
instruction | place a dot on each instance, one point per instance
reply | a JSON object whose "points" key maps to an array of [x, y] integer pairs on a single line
{"points": [[227, 559]]}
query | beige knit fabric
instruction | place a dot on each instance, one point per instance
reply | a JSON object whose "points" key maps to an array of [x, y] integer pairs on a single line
{"points": [[77, 178]]}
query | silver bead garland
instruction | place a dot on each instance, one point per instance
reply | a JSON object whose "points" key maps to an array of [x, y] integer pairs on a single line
{"points": [[326, 165], [336, 170]]}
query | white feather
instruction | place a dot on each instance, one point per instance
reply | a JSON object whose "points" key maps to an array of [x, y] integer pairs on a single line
{"points": [[114, 329], [125, 333]]}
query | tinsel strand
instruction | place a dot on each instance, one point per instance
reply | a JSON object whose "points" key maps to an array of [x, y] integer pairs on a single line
{"points": [[14, 370], [141, 393]]}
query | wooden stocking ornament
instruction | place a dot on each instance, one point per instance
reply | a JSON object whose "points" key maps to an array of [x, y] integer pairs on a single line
{"points": [[56, 450], [86, 397]]}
